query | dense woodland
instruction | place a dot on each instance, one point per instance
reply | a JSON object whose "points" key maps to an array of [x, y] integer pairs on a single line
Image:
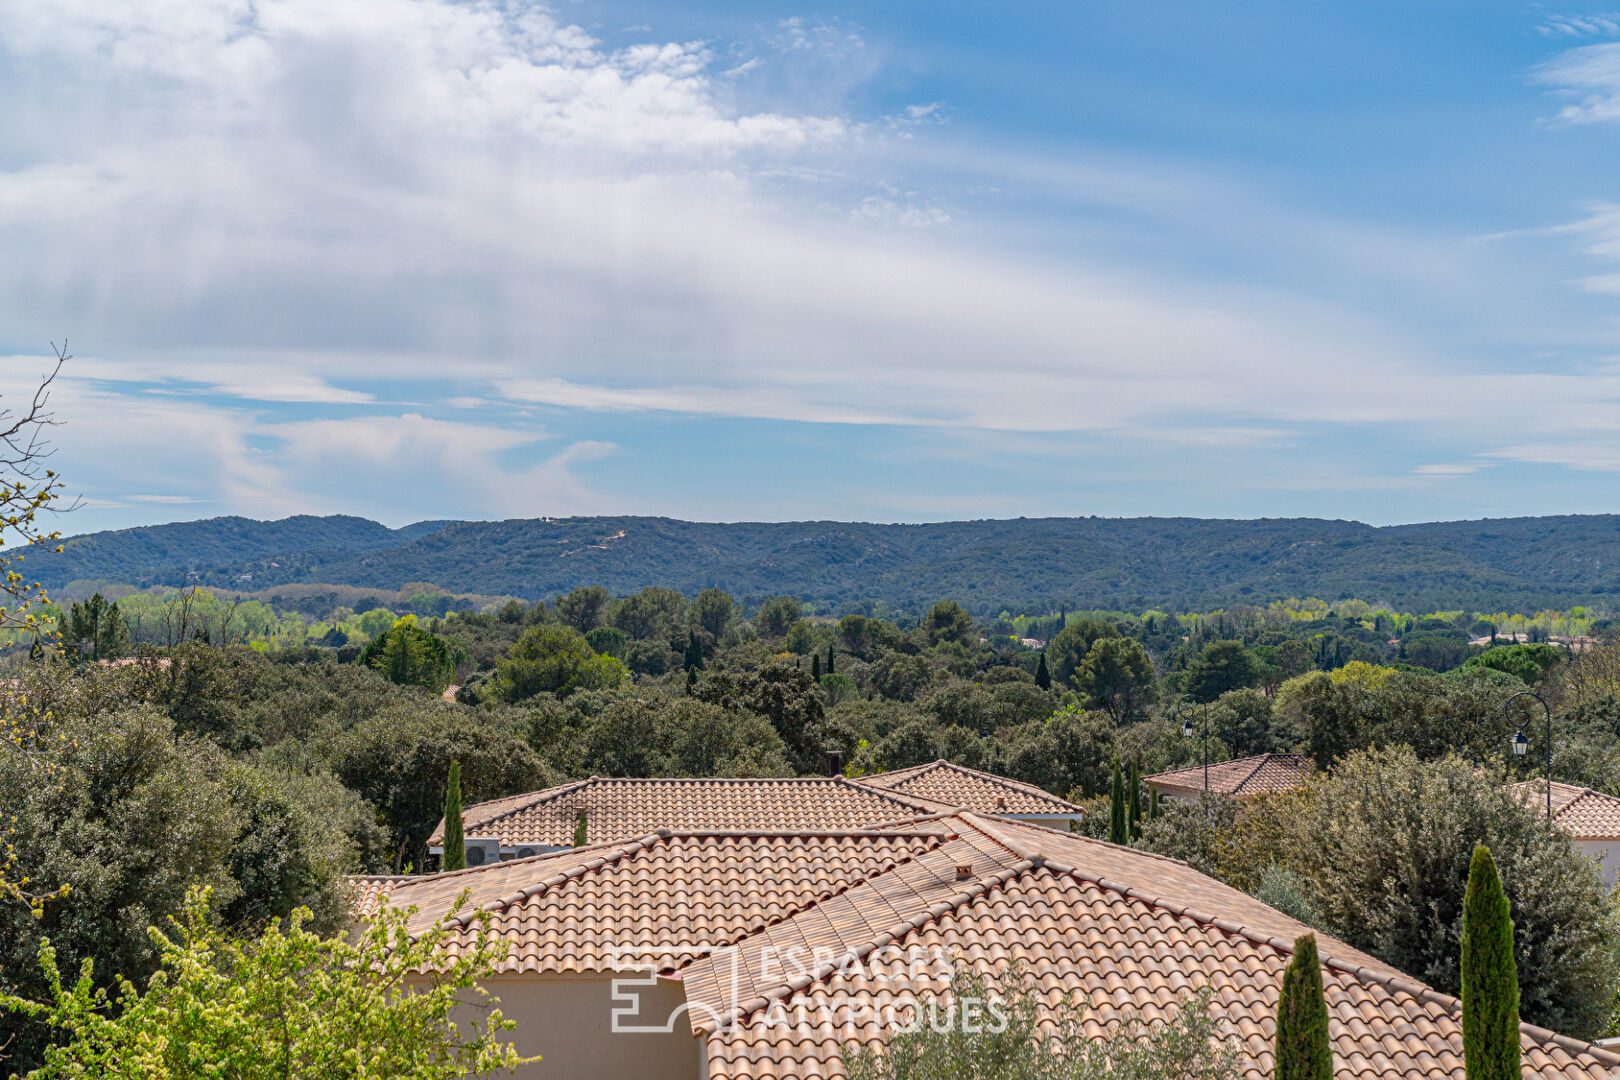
{"points": [[271, 772], [1023, 565]]}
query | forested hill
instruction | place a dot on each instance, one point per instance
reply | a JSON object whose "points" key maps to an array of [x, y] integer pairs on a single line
{"points": [[1017, 565]]}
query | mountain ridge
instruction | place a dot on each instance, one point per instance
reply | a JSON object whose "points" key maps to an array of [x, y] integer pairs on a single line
{"points": [[1016, 564]]}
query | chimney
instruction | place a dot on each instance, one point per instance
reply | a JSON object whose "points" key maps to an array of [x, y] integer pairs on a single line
{"points": [[964, 870], [835, 762]]}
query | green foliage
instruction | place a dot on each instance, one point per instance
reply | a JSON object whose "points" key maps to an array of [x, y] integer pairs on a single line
{"points": [[1002, 1031], [584, 608], [396, 758], [581, 831], [1117, 819], [1529, 664], [1392, 881], [1116, 676], [684, 737], [1282, 889], [1043, 677], [947, 621], [1222, 666], [455, 841], [551, 659], [1490, 982], [410, 656], [1303, 1050], [1133, 801], [776, 616], [94, 630], [608, 641], [287, 1004], [1068, 648]]}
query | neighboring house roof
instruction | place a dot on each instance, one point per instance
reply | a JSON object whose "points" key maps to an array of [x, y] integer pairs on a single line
{"points": [[1122, 929], [620, 809], [1258, 775], [1581, 812], [970, 789]]}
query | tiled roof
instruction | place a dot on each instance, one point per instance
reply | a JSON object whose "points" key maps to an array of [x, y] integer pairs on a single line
{"points": [[663, 896], [1261, 774], [620, 809], [985, 793], [1581, 812], [1118, 928], [1114, 928]]}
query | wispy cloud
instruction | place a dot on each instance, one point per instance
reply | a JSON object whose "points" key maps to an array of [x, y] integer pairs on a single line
{"points": [[1588, 77], [1579, 26]]}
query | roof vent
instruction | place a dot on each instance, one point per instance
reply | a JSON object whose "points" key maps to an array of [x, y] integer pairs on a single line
{"points": [[964, 870]]}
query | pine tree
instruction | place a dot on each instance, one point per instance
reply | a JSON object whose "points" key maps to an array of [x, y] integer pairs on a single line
{"points": [[1133, 804], [579, 830], [815, 668], [1043, 677], [830, 666], [1303, 1050], [1490, 982], [1116, 808], [455, 843]]}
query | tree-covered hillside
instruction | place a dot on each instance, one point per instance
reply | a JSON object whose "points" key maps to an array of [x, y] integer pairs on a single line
{"points": [[1020, 565]]}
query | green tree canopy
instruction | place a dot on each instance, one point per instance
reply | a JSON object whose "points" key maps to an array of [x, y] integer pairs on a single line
{"points": [[1117, 677], [1220, 667], [553, 659], [283, 1005], [410, 656]]}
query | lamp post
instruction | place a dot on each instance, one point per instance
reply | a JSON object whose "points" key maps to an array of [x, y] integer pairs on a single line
{"points": [[1521, 744], [1186, 710]]}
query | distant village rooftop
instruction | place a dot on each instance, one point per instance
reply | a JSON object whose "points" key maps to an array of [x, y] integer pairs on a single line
{"points": [[1242, 777], [621, 808]]}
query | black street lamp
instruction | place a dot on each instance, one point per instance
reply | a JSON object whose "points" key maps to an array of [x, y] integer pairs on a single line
{"points": [[1186, 711], [1521, 744]]}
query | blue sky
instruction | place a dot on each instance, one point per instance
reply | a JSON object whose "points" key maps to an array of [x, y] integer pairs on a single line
{"points": [[418, 259]]}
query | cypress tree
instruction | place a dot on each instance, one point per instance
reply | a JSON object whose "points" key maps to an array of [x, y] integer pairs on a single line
{"points": [[815, 668], [1043, 677], [1490, 982], [1153, 806], [455, 842], [1133, 803], [694, 652], [830, 666], [1303, 1050], [1116, 808], [579, 830]]}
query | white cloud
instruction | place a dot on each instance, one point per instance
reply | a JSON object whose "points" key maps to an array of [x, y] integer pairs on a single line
{"points": [[1578, 26], [1441, 471], [294, 202], [1590, 77]]}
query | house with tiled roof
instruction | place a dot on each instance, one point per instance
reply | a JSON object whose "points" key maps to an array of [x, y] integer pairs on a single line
{"points": [[1261, 774], [620, 808], [1591, 818], [727, 954], [970, 789]]}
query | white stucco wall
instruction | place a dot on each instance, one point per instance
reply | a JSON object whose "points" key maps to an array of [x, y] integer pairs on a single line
{"points": [[1607, 850]]}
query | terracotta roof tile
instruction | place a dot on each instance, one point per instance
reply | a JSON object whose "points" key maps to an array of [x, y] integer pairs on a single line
{"points": [[624, 808], [982, 792], [1581, 812], [1076, 938], [1256, 775], [1116, 928], [662, 896]]}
